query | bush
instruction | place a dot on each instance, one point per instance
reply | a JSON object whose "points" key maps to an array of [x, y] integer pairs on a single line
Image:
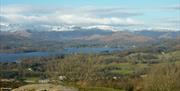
{"points": [[163, 77]]}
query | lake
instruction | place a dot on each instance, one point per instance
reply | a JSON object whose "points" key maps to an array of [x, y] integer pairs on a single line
{"points": [[13, 57]]}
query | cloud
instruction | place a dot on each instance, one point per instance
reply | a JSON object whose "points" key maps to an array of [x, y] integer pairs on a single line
{"points": [[112, 11], [13, 9], [88, 20], [165, 23], [120, 17], [177, 7], [75, 16], [25, 9], [172, 7]]}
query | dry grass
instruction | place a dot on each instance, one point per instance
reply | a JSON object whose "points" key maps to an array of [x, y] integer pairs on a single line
{"points": [[44, 87]]}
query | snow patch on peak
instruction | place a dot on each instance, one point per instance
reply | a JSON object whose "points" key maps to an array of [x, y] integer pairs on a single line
{"points": [[63, 28], [4, 24], [102, 27]]}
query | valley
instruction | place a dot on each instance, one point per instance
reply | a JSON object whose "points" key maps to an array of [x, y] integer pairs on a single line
{"points": [[86, 59], [89, 45]]}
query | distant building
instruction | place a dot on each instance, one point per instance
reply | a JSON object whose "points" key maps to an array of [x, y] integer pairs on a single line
{"points": [[7, 80], [134, 46], [143, 76], [115, 78], [44, 81], [163, 53], [62, 77], [6, 89], [30, 69]]}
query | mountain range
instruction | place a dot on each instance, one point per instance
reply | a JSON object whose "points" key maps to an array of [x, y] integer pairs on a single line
{"points": [[71, 32], [75, 36]]}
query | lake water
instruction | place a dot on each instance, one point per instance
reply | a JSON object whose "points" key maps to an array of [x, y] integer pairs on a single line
{"points": [[16, 56]]}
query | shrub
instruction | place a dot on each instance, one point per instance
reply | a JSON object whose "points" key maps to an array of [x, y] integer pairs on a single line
{"points": [[163, 77]]}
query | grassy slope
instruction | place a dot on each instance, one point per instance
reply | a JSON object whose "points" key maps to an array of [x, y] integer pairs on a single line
{"points": [[98, 89]]}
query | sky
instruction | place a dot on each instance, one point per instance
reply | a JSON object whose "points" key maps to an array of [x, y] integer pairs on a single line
{"points": [[123, 14]]}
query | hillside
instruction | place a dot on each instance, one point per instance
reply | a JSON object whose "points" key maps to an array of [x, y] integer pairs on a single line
{"points": [[44, 87]]}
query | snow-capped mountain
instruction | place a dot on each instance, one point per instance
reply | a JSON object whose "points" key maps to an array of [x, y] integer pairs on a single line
{"points": [[83, 28], [20, 27], [63, 27], [79, 32]]}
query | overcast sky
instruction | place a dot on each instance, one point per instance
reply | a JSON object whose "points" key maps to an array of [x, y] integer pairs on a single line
{"points": [[129, 14]]}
